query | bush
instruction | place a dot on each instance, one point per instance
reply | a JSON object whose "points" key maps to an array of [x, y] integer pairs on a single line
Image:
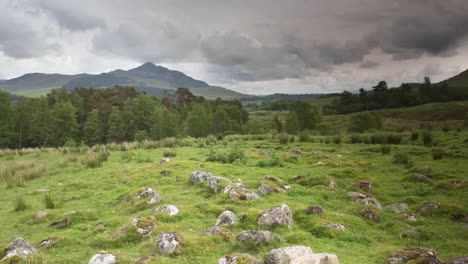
{"points": [[273, 162], [385, 149], [232, 155], [414, 135], [283, 138], [49, 201], [378, 139], [211, 140], [393, 138], [20, 204], [141, 135], [169, 153], [292, 139], [337, 140], [364, 122], [438, 153], [427, 138], [355, 139], [402, 158], [304, 135], [169, 142]]}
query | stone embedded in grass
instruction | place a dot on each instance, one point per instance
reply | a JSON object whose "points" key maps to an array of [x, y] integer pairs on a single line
{"points": [[398, 208], [418, 177], [238, 258], [314, 210], [226, 218], [214, 182], [410, 217], [337, 227], [19, 248], [240, 193], [427, 207], [152, 195], [168, 209], [257, 237], [199, 176], [144, 224], [264, 189], [364, 185], [223, 232], [164, 172], [41, 214], [366, 199], [457, 260], [61, 224], [47, 242], [276, 216], [164, 161], [103, 259], [287, 255], [414, 255], [370, 214], [459, 217], [169, 243], [295, 151]]}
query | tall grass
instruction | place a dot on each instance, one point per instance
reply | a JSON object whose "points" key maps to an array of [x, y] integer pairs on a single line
{"points": [[283, 138], [49, 201], [20, 204]]}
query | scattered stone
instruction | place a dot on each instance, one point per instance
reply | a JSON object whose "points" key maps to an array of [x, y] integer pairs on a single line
{"points": [[264, 189], [199, 176], [364, 199], [164, 161], [61, 224], [286, 187], [103, 259], [287, 255], [410, 217], [47, 242], [152, 195], [41, 214], [427, 207], [459, 218], [164, 172], [298, 177], [264, 154], [414, 255], [457, 260], [169, 209], [256, 237], [144, 224], [411, 233], [337, 227], [19, 248], [274, 183], [295, 151], [332, 184], [241, 193], [364, 185], [320, 163], [398, 208], [418, 177], [371, 214], [72, 212], [214, 182], [276, 216], [169, 243], [238, 258], [218, 231], [314, 210], [226, 218]]}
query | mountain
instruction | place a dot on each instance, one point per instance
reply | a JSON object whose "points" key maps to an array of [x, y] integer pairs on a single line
{"points": [[458, 81], [150, 78]]}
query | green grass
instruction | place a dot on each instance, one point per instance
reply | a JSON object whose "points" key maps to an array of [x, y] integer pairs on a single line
{"points": [[104, 199], [34, 93]]}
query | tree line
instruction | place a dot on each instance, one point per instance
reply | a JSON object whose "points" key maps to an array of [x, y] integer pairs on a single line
{"points": [[380, 97], [97, 116]]}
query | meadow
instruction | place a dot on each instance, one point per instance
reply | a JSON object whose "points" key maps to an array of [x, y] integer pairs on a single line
{"points": [[97, 188]]}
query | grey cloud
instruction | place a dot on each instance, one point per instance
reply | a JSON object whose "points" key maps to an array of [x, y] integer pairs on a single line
{"points": [[369, 64]]}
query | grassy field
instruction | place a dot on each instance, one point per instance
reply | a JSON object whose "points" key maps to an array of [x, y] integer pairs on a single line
{"points": [[34, 93], [103, 198]]}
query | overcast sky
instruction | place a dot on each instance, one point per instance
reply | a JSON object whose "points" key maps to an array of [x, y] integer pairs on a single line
{"points": [[252, 46]]}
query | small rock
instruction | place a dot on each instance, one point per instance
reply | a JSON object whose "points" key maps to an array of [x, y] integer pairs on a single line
{"points": [[164, 161], [418, 177], [144, 224], [410, 217], [363, 185], [332, 184], [61, 224], [218, 231], [169, 243], [164, 172], [152, 195], [276, 216], [257, 237], [286, 187], [214, 181], [371, 214], [457, 260], [170, 210], [459, 217], [103, 259], [414, 255], [240, 193], [47, 242], [199, 176], [427, 207], [20, 248], [398, 208], [295, 151], [364, 199], [72, 212], [238, 258], [337, 227], [411, 233], [264, 189], [41, 214], [287, 255], [264, 154], [226, 218], [314, 210]]}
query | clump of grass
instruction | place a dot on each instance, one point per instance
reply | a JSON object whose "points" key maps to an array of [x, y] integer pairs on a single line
{"points": [[230, 156], [49, 201], [393, 138], [356, 139], [127, 156], [438, 153], [385, 149], [414, 135], [273, 162], [378, 139], [402, 158], [20, 204], [169, 153], [283, 138], [168, 142], [427, 138], [211, 140], [337, 139], [91, 160], [304, 135]]}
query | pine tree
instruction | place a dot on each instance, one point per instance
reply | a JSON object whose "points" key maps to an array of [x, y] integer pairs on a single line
{"points": [[92, 129]]}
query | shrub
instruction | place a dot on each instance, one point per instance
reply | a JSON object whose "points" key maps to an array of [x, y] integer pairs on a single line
{"points": [[211, 140], [402, 158], [304, 135], [49, 201], [393, 138], [378, 139], [169, 142], [292, 139], [385, 149], [169, 153], [141, 135], [438, 153], [337, 140], [232, 155], [355, 139], [414, 135], [427, 138], [283, 138], [273, 162], [362, 122], [20, 204]]}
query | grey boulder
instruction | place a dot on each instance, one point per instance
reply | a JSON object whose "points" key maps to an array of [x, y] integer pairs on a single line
{"points": [[276, 216]]}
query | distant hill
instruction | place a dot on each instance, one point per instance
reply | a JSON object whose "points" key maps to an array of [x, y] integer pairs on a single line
{"points": [[150, 78], [458, 81], [281, 97]]}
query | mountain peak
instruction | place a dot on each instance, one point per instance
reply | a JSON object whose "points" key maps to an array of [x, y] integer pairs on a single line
{"points": [[147, 66]]}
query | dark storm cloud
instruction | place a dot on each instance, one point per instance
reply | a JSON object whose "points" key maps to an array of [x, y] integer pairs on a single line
{"points": [[369, 64]]}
